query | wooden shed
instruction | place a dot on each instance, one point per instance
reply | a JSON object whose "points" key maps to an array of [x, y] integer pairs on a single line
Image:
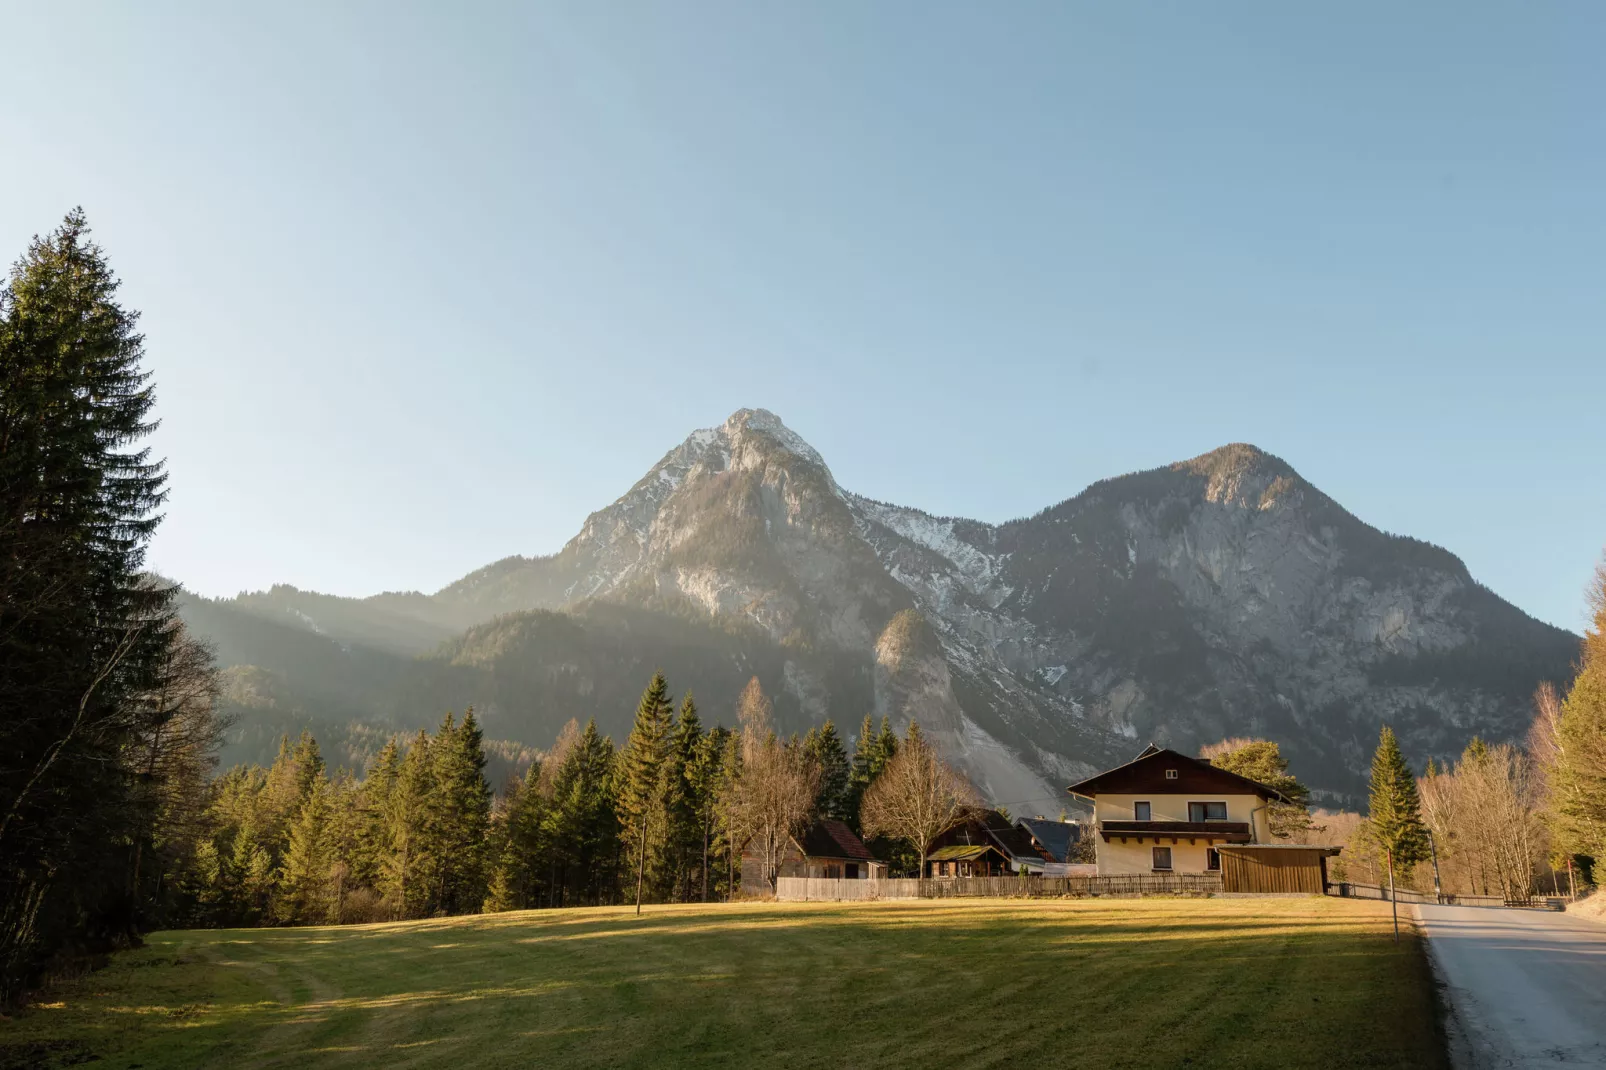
{"points": [[1275, 867]]}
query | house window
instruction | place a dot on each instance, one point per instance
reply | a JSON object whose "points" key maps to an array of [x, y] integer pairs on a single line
{"points": [[1171, 774], [853, 871], [1140, 811], [1212, 860], [1207, 811], [1162, 858]]}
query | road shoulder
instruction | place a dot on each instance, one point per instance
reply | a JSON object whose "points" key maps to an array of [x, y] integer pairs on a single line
{"points": [[1457, 1037]]}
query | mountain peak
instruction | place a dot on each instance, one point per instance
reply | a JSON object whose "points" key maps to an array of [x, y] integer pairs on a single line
{"points": [[1239, 468], [766, 422]]}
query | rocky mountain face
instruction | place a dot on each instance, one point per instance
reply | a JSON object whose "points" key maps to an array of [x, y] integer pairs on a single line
{"points": [[1219, 596]]}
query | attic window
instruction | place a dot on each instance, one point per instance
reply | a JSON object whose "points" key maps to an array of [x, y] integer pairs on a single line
{"points": [[1171, 774]]}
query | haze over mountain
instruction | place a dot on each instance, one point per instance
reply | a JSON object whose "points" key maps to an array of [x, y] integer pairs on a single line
{"points": [[1222, 595]]}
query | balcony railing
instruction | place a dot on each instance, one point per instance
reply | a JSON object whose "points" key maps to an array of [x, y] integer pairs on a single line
{"points": [[1226, 831]]}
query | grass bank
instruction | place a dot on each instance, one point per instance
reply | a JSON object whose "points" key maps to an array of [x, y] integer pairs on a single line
{"points": [[1095, 984]]}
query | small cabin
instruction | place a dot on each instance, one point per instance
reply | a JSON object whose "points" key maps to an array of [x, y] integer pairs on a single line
{"points": [[826, 848], [967, 860], [1012, 845]]}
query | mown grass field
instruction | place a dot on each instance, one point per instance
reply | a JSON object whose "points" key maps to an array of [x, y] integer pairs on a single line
{"points": [[1276, 983]]}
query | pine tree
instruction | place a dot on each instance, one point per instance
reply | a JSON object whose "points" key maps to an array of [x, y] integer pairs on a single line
{"points": [[82, 629], [289, 782], [406, 860], [825, 748], [583, 818], [344, 833], [707, 784], [641, 789], [682, 809], [872, 752], [516, 845], [1262, 761], [304, 883], [1395, 809], [458, 815], [373, 803]]}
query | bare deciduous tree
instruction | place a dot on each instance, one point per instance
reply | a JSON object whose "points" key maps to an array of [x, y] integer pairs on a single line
{"points": [[1484, 814], [918, 797], [769, 802]]}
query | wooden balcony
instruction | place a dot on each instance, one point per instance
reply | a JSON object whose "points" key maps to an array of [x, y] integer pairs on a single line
{"points": [[1176, 831]]}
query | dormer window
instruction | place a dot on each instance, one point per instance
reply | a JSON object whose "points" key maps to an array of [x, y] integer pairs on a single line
{"points": [[1171, 774]]}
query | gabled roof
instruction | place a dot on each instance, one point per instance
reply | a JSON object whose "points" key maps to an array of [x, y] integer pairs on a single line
{"points": [[1146, 774], [962, 852], [990, 826], [830, 838], [1055, 837]]}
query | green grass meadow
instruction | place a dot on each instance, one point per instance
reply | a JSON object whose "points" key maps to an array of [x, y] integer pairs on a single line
{"points": [[1275, 983]]}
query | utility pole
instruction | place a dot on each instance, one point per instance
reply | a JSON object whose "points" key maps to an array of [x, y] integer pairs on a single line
{"points": [[1572, 886], [1438, 895], [1393, 902]]}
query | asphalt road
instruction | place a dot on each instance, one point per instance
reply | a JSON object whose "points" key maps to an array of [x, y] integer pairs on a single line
{"points": [[1526, 988]]}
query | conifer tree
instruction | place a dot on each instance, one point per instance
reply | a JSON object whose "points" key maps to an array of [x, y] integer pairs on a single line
{"points": [[826, 749], [584, 826], [373, 803], [516, 844], [886, 741], [406, 859], [303, 885], [1262, 761], [1395, 808], [641, 787], [458, 816], [343, 833], [82, 630], [681, 802], [706, 785]]}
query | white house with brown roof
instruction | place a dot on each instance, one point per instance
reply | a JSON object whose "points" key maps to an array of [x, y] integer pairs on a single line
{"points": [[1165, 812]]}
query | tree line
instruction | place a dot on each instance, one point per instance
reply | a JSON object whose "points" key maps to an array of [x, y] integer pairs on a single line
{"points": [[663, 818]]}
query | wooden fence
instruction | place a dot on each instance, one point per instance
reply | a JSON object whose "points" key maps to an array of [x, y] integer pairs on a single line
{"points": [[1406, 895], [820, 889]]}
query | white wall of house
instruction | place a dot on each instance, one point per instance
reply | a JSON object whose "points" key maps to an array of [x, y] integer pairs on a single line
{"points": [[1119, 859], [1175, 808], [1136, 855]]}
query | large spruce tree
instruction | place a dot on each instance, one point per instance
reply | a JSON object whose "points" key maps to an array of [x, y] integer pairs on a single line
{"points": [[457, 817], [583, 822], [1395, 811], [682, 810], [641, 782], [82, 632]]}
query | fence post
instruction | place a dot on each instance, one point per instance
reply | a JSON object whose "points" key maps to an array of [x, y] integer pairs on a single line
{"points": [[1392, 900]]}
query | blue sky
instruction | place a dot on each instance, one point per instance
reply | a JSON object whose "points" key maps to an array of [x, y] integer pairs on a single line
{"points": [[421, 289]]}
